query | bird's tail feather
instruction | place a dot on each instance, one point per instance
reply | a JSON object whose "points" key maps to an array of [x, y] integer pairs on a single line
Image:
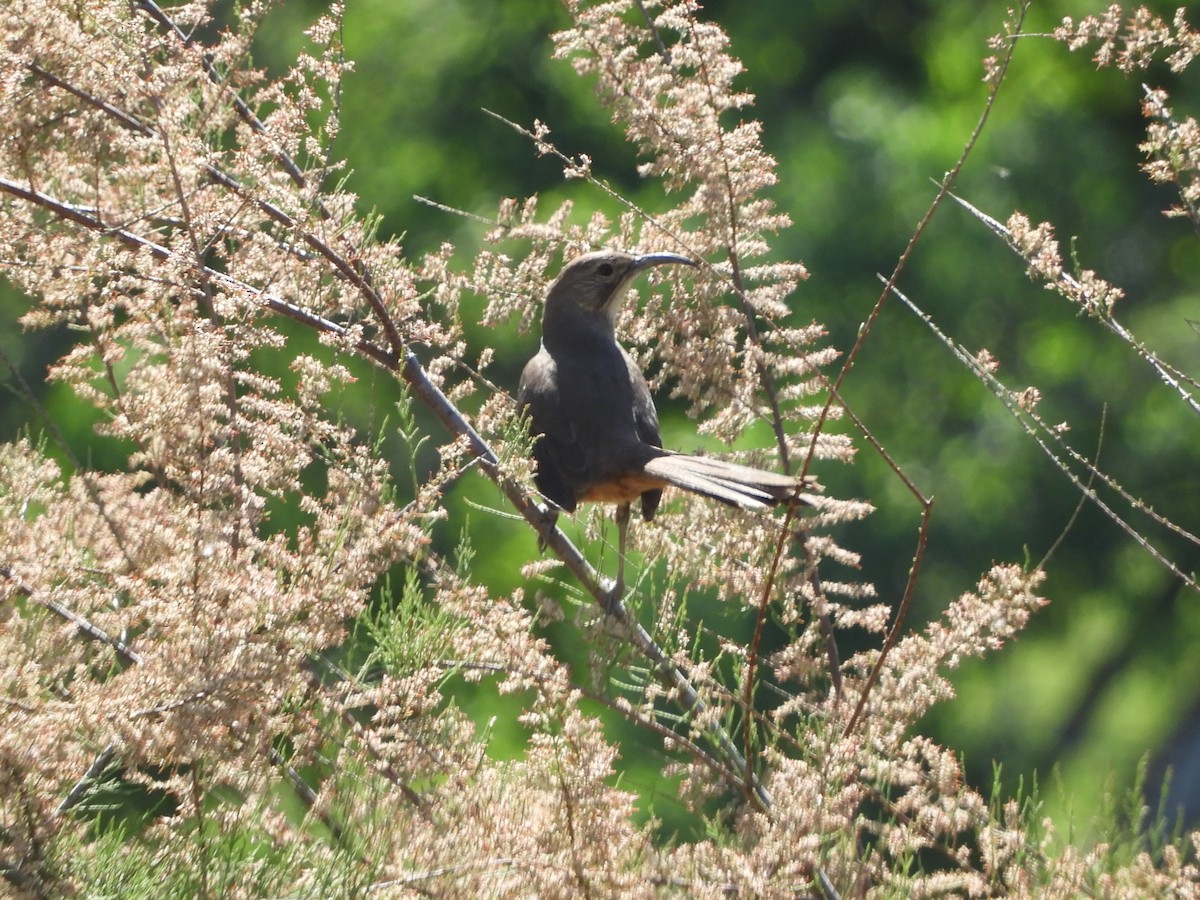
{"points": [[737, 485]]}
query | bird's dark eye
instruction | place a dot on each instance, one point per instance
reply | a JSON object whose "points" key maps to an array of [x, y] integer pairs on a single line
{"points": [[605, 269]]}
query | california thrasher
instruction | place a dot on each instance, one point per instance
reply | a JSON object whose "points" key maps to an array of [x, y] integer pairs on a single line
{"points": [[595, 429]]}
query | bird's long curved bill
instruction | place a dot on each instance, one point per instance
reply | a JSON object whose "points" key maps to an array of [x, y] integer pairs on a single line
{"points": [[647, 260]]}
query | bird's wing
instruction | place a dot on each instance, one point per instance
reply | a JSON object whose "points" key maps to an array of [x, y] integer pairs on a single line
{"points": [[645, 416], [556, 449], [645, 419]]}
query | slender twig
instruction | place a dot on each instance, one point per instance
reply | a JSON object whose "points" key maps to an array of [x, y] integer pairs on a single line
{"points": [[893, 635], [1045, 436], [75, 796], [130, 122], [760, 621], [240, 106], [825, 623], [914, 571], [868, 326], [85, 627], [1095, 461], [654, 32], [1066, 284], [943, 191]]}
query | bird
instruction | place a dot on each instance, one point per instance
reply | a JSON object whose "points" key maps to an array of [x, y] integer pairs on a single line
{"points": [[595, 430]]}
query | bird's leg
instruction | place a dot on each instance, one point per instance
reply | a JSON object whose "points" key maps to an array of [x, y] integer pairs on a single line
{"points": [[622, 517]]}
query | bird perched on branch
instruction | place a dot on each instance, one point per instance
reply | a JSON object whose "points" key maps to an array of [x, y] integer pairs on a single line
{"points": [[595, 428]]}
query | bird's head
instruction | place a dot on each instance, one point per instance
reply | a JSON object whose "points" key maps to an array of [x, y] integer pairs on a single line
{"points": [[595, 284]]}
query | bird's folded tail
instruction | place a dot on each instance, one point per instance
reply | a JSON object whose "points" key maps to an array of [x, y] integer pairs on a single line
{"points": [[741, 486]]}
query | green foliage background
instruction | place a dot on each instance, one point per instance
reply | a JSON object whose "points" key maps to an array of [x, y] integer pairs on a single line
{"points": [[865, 104]]}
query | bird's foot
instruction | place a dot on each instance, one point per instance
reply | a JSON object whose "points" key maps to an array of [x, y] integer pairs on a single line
{"points": [[548, 521]]}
